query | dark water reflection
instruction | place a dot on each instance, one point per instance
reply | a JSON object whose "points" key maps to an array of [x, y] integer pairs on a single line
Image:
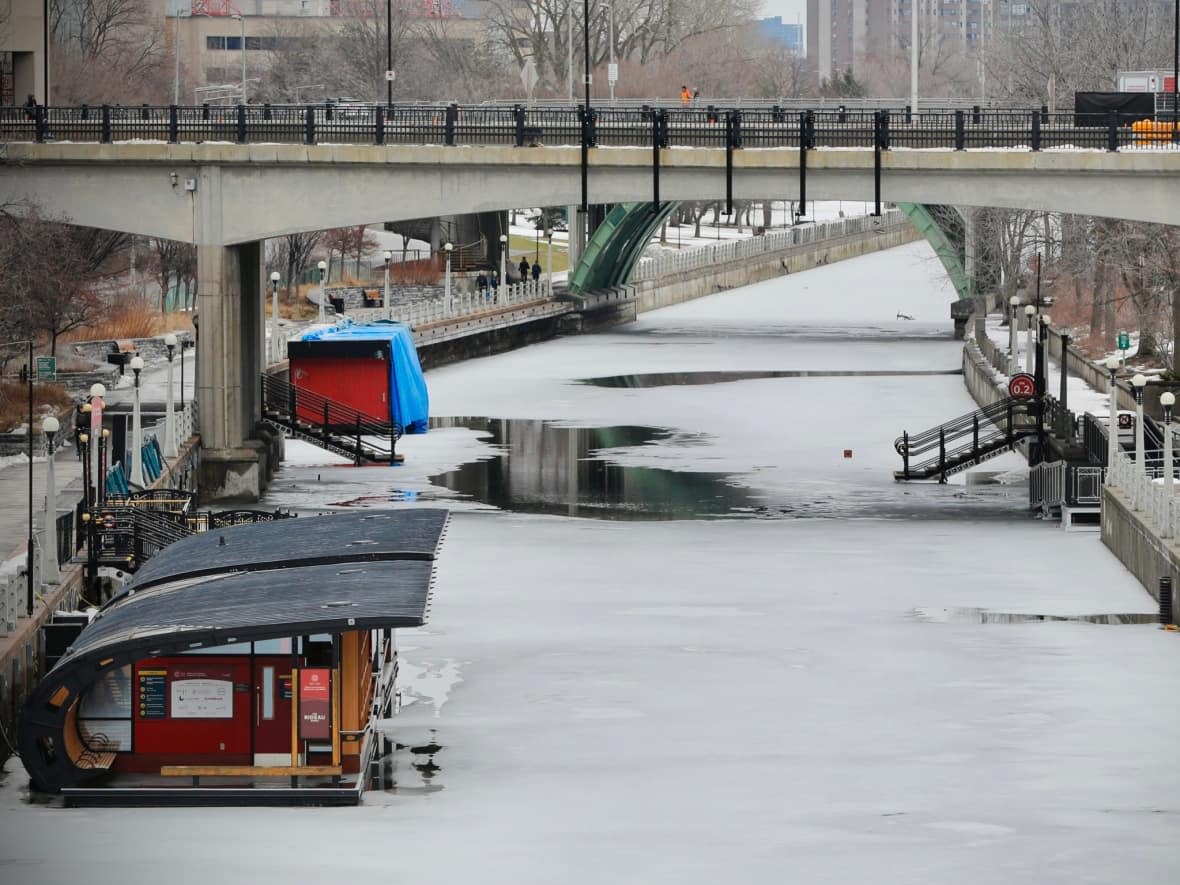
{"points": [[669, 379], [548, 468]]}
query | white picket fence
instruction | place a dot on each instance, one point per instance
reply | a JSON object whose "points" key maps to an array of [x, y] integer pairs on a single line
{"points": [[683, 260], [1149, 496], [14, 592]]}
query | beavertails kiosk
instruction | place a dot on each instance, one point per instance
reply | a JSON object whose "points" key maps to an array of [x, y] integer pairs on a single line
{"points": [[246, 665], [370, 367]]}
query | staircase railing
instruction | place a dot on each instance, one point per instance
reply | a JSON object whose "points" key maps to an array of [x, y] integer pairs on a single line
{"points": [[946, 446], [329, 422]]}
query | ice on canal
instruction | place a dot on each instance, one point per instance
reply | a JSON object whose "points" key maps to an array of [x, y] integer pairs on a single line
{"points": [[760, 696]]}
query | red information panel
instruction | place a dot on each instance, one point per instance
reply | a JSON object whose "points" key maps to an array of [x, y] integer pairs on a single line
{"points": [[315, 704]]}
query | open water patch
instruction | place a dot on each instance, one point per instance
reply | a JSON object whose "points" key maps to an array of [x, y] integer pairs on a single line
{"points": [[544, 467], [687, 379], [969, 615]]}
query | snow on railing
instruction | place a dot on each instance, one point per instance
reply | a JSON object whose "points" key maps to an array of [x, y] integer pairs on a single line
{"points": [[684, 260]]}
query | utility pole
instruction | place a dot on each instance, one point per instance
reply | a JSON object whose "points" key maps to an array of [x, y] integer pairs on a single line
{"points": [[388, 52]]}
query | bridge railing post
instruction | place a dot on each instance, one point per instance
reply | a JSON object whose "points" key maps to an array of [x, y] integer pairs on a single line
{"points": [[960, 132], [379, 125], [173, 124], [1036, 131], [241, 124], [39, 123], [1112, 131], [309, 125], [518, 124], [105, 135], [451, 117]]}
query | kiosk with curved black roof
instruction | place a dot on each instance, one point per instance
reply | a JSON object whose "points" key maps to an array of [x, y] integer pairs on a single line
{"points": [[295, 577]]}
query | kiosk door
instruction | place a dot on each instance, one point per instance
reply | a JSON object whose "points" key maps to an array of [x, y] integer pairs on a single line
{"points": [[272, 710]]}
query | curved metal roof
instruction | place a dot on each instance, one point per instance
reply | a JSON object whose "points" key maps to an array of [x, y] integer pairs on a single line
{"points": [[268, 580]]}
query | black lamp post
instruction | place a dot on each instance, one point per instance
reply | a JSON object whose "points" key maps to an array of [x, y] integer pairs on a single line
{"points": [[388, 53]]}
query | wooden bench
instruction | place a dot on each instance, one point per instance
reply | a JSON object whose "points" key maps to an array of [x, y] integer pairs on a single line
{"points": [[196, 772], [94, 759]]}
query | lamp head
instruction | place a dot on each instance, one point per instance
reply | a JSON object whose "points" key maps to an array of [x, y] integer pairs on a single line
{"points": [[136, 364], [50, 426], [105, 433], [1029, 310], [1014, 301], [323, 266], [387, 255], [1139, 381], [503, 239], [274, 278], [86, 516], [87, 408], [170, 340], [1112, 363], [83, 438], [1167, 399], [1045, 319], [98, 389], [448, 246]]}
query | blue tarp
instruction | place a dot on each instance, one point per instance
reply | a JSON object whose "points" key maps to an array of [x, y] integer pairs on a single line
{"points": [[409, 401]]}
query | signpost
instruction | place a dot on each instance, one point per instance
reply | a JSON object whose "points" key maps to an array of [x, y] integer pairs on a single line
{"points": [[1124, 342], [46, 368], [1022, 386]]}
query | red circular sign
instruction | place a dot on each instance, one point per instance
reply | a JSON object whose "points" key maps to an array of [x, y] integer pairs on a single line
{"points": [[1022, 386]]}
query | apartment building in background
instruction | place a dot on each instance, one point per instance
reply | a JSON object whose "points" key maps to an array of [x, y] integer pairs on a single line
{"points": [[848, 34], [22, 63]]}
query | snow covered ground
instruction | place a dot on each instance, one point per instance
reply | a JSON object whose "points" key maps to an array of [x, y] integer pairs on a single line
{"points": [[746, 700]]}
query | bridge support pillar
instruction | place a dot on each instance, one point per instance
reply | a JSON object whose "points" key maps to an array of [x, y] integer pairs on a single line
{"points": [[229, 361]]}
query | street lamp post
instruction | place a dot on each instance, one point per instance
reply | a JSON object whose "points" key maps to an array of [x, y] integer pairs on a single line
{"points": [[1138, 383], [1030, 313], [388, 256], [549, 262], [1014, 305], [503, 263], [242, 21], [50, 573], [447, 247], [274, 317], [1112, 429], [97, 392], [1167, 400], [137, 475], [1042, 374], [170, 450], [323, 268]]}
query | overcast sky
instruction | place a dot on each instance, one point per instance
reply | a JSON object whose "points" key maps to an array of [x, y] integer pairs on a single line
{"points": [[790, 10]]}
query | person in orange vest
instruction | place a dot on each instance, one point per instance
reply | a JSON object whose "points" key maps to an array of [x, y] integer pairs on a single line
{"points": [[685, 96]]}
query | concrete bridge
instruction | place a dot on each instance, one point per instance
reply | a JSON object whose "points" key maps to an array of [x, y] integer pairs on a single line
{"points": [[228, 198]]}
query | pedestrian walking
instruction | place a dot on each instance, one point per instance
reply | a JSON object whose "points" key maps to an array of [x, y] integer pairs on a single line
{"points": [[81, 425], [685, 96], [524, 268], [30, 108], [481, 284], [495, 284], [536, 271]]}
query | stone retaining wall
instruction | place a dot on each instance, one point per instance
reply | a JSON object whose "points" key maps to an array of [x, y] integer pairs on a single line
{"points": [[677, 288]]}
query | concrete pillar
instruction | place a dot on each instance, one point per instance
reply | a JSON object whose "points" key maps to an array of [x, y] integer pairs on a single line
{"points": [[229, 353], [577, 234]]}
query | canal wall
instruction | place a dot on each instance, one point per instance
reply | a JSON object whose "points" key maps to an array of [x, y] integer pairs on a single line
{"points": [[717, 274], [1125, 531]]}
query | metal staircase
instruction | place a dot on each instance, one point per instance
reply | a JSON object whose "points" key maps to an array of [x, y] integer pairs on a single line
{"points": [[329, 424], [966, 441]]}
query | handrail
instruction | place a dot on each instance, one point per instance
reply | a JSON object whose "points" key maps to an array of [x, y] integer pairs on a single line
{"points": [[817, 125], [333, 423]]}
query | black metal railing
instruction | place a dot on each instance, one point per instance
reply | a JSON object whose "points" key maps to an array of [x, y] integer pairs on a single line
{"points": [[942, 449], [328, 422], [1094, 439], [1029, 129]]}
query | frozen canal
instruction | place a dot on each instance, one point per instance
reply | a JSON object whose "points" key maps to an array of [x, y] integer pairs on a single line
{"points": [[796, 687]]}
